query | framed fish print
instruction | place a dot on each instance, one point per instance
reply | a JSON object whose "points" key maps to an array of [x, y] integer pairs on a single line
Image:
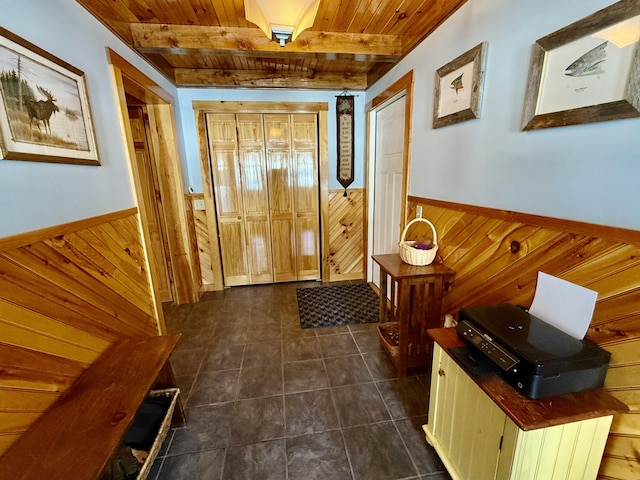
{"points": [[458, 94], [44, 108], [586, 72]]}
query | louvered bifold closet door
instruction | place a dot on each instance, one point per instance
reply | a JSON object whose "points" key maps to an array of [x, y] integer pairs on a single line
{"points": [[223, 146]]}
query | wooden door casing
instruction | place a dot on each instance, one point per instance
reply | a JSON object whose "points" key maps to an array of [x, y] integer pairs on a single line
{"points": [[159, 256]]}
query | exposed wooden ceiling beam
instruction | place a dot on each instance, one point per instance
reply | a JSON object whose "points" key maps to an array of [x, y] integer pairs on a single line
{"points": [[244, 78], [155, 38]]}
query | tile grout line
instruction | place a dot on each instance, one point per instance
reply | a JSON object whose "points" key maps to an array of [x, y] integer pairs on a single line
{"points": [[393, 420], [335, 410], [360, 351]]}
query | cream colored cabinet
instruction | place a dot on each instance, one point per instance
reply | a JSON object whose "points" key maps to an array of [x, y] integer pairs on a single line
{"points": [[266, 192], [477, 440]]}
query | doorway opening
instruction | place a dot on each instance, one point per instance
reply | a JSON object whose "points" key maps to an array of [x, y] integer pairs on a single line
{"points": [[389, 140], [158, 184]]}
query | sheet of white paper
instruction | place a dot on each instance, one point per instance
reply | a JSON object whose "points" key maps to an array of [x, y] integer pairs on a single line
{"points": [[565, 305]]}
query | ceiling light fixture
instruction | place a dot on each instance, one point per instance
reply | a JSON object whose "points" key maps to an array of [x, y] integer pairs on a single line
{"points": [[281, 20]]}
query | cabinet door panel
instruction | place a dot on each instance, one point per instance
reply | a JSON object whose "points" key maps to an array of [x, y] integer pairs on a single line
{"points": [[436, 388], [563, 452], [482, 428], [466, 423], [447, 394]]}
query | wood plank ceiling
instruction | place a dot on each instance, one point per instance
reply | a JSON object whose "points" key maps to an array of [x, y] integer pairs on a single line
{"points": [[210, 43]]}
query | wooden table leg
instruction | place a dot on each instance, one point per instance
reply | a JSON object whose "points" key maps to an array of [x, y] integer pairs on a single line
{"points": [[382, 305]]}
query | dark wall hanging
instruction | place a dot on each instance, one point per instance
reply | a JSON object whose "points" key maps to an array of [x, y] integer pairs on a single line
{"points": [[344, 111]]}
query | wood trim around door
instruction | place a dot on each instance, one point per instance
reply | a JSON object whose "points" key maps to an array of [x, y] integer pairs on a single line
{"points": [[201, 108], [404, 84], [160, 107]]}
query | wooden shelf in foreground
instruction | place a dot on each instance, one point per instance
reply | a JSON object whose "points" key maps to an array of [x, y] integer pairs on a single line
{"points": [[77, 437]]}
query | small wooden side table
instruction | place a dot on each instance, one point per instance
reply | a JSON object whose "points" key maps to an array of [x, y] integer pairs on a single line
{"points": [[415, 306]]}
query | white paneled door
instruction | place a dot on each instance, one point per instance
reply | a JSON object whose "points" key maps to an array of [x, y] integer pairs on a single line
{"points": [[388, 179]]}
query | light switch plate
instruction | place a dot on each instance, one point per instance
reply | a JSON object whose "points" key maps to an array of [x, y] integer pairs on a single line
{"points": [[198, 204]]}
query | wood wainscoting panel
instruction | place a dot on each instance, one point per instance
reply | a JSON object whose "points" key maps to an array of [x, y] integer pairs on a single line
{"points": [[497, 256], [204, 245], [346, 235], [66, 293]]}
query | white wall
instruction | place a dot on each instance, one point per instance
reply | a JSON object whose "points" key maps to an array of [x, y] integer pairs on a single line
{"points": [[587, 173], [38, 195], [187, 119]]}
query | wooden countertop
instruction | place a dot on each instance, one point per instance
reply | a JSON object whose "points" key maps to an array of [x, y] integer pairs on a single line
{"points": [[530, 414]]}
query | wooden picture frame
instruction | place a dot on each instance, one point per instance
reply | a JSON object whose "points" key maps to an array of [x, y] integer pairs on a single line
{"points": [[579, 75], [458, 95], [44, 107]]}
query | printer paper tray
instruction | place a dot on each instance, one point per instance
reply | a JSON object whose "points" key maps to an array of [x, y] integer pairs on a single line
{"points": [[474, 362]]}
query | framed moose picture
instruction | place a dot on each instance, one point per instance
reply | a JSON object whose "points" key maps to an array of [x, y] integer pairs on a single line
{"points": [[44, 108]]}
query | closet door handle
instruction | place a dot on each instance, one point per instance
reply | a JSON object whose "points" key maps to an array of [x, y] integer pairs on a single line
{"points": [[239, 217]]}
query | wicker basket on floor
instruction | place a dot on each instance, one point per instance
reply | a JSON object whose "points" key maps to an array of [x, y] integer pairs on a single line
{"points": [[388, 333], [172, 393], [415, 256]]}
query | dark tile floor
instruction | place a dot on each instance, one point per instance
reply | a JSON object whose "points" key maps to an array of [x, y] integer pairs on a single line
{"points": [[266, 399]]}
